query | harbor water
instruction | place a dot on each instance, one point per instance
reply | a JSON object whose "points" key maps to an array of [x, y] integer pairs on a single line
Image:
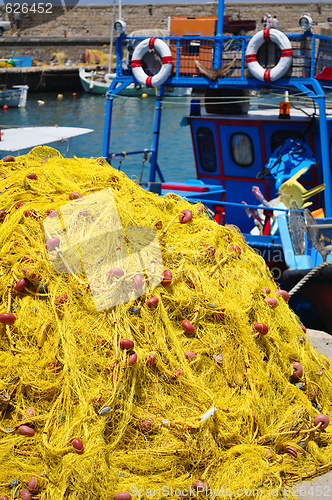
{"points": [[132, 127]]}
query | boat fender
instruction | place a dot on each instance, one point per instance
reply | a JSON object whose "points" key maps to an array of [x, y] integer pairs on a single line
{"points": [[136, 63], [285, 61]]}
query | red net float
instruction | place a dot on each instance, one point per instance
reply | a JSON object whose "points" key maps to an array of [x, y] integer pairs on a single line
{"points": [[187, 326], [132, 359], [29, 412], [25, 430], [201, 486], [52, 244], [291, 451], [185, 216], [115, 273], [25, 494], [284, 294], [8, 159], [126, 344], [167, 280], [323, 419], [7, 318], [77, 445], [190, 355], [21, 284], [122, 495], [75, 195], [52, 212], [33, 484], [138, 281], [152, 301], [271, 301], [147, 424], [261, 328], [61, 299], [298, 369], [151, 359]]}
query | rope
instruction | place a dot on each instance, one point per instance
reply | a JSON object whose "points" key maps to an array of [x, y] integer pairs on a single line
{"points": [[308, 276]]}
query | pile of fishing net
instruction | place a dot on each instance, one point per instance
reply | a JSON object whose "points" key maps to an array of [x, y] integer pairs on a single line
{"points": [[145, 349]]}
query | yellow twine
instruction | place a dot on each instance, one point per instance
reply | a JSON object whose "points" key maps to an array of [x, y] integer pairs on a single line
{"points": [[227, 417]]}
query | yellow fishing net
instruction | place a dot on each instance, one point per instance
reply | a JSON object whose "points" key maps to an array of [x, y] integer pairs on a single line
{"points": [[195, 382]]}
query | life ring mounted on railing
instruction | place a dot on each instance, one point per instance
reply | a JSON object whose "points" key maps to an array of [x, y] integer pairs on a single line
{"points": [[285, 61], [136, 63]]}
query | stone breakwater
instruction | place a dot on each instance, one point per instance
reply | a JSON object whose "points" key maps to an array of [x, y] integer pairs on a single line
{"points": [[95, 20]]}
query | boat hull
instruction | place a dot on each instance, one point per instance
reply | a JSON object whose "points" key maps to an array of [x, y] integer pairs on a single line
{"points": [[14, 98], [318, 291]]}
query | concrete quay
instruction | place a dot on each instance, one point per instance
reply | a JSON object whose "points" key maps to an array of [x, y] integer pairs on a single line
{"points": [[44, 78]]}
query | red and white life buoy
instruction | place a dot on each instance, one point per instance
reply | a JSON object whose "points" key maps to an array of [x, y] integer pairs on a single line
{"points": [[269, 35], [136, 63]]}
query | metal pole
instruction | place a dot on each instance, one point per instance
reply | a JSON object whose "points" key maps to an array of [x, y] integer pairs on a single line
{"points": [[220, 21], [111, 41], [324, 140], [107, 128], [108, 119], [218, 43], [155, 141]]}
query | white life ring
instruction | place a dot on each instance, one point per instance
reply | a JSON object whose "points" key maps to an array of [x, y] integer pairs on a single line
{"points": [[269, 35], [136, 63]]}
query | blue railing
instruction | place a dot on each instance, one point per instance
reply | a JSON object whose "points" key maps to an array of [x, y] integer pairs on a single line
{"points": [[311, 53]]}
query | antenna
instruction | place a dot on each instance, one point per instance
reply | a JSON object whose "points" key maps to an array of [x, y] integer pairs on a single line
{"points": [[111, 40]]}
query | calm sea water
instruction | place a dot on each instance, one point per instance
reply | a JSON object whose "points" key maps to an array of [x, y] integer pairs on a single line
{"points": [[132, 129]]}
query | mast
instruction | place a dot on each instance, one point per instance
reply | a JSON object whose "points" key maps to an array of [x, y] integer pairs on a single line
{"points": [[220, 21], [218, 44], [111, 40]]}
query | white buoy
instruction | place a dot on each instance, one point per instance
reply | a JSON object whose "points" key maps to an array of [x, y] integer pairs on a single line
{"points": [[40, 102]]}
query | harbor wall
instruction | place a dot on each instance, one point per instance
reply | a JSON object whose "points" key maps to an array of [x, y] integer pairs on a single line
{"points": [[95, 20]]}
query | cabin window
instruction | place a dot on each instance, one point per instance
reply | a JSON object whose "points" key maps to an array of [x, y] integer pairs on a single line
{"points": [[279, 137], [242, 149], [206, 149]]}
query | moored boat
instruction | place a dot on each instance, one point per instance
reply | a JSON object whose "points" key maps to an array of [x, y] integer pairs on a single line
{"points": [[96, 82], [15, 97]]}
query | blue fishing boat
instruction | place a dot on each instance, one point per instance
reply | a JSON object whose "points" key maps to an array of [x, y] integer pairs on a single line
{"points": [[256, 168]]}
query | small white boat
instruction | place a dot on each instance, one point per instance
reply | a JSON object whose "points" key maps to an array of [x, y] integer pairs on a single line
{"points": [[20, 138], [97, 82], [15, 97]]}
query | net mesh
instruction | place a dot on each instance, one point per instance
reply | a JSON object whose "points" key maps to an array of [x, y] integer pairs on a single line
{"points": [[296, 228], [213, 396], [315, 236]]}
